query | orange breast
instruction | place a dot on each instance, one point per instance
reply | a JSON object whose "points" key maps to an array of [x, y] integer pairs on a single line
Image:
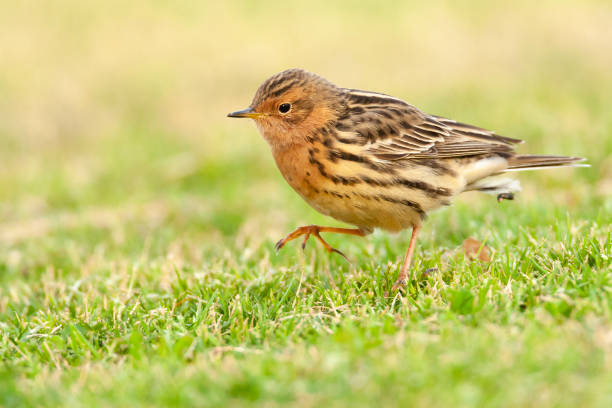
{"points": [[317, 180]]}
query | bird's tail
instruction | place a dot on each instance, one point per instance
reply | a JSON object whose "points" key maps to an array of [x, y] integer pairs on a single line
{"points": [[535, 162]]}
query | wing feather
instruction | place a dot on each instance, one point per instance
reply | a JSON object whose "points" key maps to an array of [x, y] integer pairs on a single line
{"points": [[401, 131]]}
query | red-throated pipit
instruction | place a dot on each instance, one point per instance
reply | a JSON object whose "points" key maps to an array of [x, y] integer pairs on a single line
{"points": [[375, 161]]}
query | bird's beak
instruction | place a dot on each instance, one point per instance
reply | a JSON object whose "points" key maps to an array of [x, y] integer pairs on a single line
{"points": [[245, 113]]}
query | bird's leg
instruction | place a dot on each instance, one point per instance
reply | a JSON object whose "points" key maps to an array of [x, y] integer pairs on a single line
{"points": [[401, 279], [314, 230]]}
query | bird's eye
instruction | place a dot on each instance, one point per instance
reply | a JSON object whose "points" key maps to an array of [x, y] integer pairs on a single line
{"points": [[284, 107]]}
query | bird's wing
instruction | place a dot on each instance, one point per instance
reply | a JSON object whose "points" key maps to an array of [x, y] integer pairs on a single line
{"points": [[432, 137], [391, 129]]}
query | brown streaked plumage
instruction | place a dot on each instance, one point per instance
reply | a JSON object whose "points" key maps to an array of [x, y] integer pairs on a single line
{"points": [[375, 161]]}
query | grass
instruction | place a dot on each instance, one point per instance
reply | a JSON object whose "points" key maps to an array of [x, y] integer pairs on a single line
{"points": [[137, 224]]}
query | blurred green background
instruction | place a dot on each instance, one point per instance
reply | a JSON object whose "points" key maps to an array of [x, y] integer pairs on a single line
{"points": [[122, 181]]}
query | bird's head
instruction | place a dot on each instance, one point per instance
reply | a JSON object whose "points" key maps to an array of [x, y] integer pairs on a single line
{"points": [[292, 105]]}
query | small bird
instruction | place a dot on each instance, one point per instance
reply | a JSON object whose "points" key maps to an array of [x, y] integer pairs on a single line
{"points": [[375, 161]]}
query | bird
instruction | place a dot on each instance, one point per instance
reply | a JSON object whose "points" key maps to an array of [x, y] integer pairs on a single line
{"points": [[374, 161]]}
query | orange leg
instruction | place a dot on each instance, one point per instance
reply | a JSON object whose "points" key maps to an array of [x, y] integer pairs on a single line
{"points": [[314, 230], [401, 279]]}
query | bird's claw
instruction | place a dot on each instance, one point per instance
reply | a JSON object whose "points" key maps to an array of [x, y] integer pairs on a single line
{"points": [[307, 235], [340, 253], [399, 284], [505, 196], [278, 246]]}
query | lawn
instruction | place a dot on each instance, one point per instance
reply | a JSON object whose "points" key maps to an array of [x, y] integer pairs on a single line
{"points": [[137, 222]]}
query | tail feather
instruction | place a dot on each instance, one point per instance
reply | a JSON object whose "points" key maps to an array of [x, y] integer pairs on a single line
{"points": [[530, 162]]}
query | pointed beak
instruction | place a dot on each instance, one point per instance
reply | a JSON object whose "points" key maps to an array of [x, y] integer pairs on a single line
{"points": [[245, 113]]}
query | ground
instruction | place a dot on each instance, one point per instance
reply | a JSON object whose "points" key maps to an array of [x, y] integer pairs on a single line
{"points": [[137, 223]]}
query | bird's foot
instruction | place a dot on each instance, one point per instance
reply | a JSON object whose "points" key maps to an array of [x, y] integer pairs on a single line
{"points": [[400, 283], [505, 196], [307, 231]]}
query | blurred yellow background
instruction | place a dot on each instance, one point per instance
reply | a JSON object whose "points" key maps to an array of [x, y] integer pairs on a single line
{"points": [[100, 102]]}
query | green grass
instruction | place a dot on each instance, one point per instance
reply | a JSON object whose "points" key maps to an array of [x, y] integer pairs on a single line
{"points": [[137, 223]]}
